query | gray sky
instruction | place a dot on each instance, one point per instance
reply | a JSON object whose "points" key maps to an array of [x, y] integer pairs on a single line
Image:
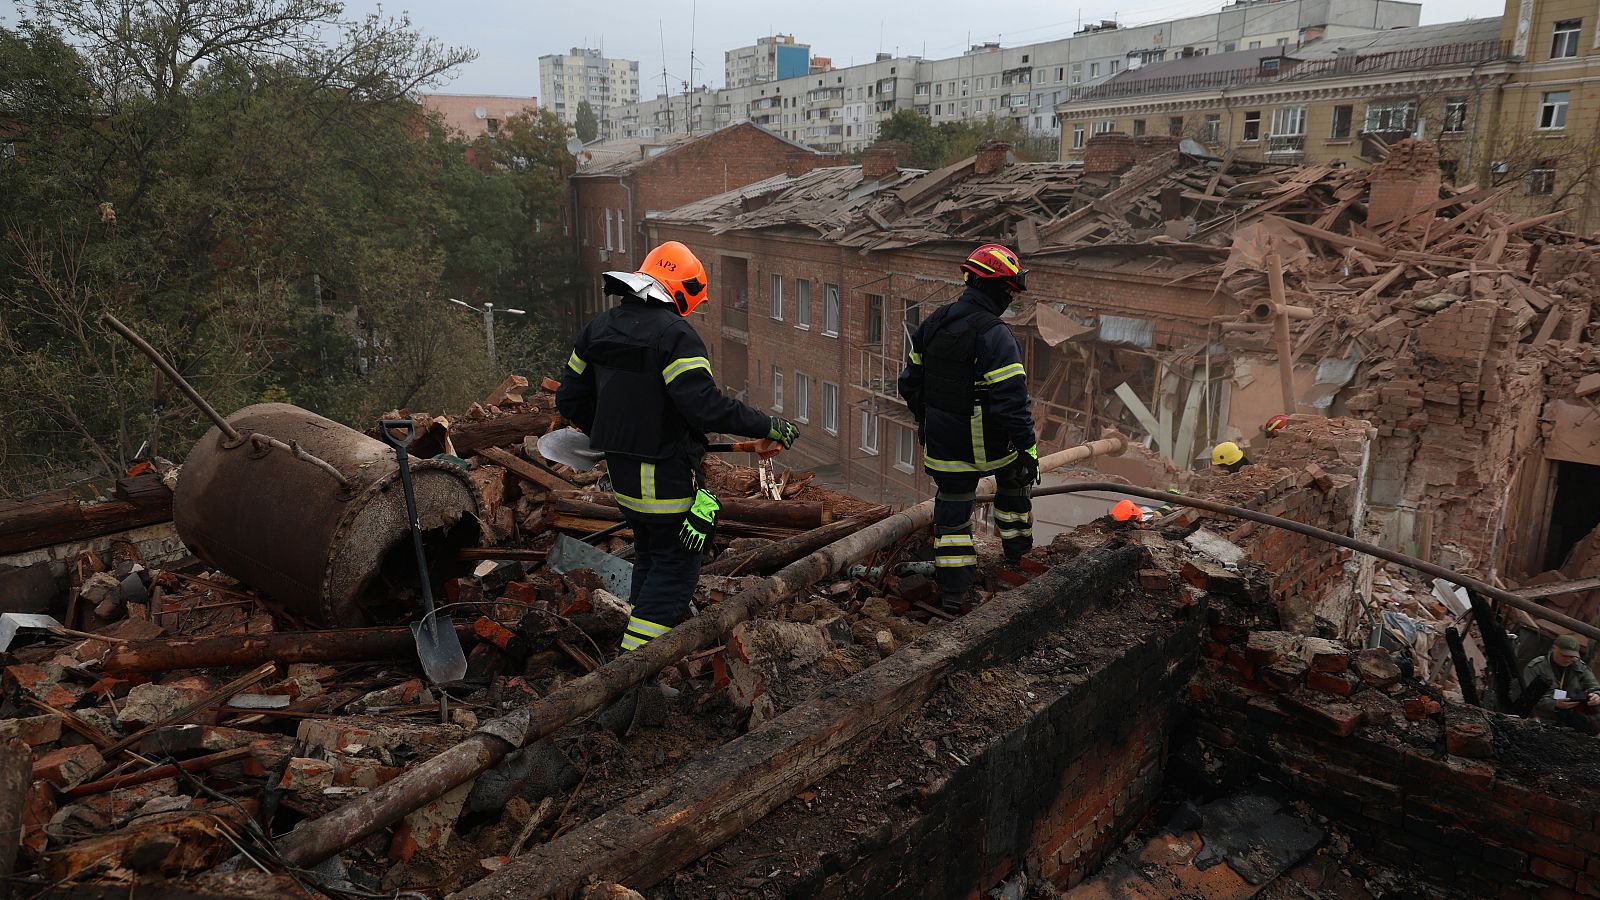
{"points": [[511, 35]]}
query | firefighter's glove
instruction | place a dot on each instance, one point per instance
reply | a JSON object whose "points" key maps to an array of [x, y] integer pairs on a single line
{"points": [[1030, 461], [784, 432], [701, 522]]}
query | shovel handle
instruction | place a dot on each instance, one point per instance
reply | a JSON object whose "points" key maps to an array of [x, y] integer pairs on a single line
{"points": [[764, 446], [409, 426]]}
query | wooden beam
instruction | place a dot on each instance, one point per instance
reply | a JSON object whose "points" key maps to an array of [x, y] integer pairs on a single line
{"points": [[1559, 588], [1281, 327], [502, 431], [525, 470], [1142, 413]]}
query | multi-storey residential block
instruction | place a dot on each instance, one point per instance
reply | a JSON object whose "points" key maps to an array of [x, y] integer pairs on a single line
{"points": [[842, 109], [475, 115], [588, 75], [768, 59]]}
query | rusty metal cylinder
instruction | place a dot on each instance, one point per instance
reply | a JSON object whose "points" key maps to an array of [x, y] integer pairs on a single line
{"points": [[330, 544]]}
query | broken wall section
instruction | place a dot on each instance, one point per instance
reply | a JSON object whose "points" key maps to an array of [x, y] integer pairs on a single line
{"points": [[1311, 472]]}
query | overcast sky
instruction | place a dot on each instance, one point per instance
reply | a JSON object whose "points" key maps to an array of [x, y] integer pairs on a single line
{"points": [[511, 35]]}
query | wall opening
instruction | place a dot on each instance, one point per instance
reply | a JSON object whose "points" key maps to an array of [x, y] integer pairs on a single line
{"points": [[1574, 513]]}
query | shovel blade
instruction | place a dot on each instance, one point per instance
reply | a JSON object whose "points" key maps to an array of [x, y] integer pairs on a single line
{"points": [[439, 649]]}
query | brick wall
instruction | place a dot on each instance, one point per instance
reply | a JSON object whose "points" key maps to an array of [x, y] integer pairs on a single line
{"points": [[1406, 180], [1475, 801], [1310, 472]]}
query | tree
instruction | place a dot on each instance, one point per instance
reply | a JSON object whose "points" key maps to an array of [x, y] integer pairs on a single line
{"points": [[909, 127], [587, 126], [932, 147], [251, 184]]}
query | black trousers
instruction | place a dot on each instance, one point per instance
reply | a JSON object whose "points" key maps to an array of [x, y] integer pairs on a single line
{"points": [[955, 558], [664, 572]]}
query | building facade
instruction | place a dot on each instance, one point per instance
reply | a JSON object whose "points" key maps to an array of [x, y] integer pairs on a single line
{"points": [[842, 109], [1512, 103], [477, 115], [768, 59], [567, 80], [621, 184]]}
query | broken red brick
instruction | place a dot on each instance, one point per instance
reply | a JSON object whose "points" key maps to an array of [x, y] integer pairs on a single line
{"points": [[307, 775], [1376, 667], [1470, 737], [35, 680], [67, 767], [1012, 577], [1339, 684], [32, 730], [1029, 564], [1419, 708], [1153, 579], [37, 810]]}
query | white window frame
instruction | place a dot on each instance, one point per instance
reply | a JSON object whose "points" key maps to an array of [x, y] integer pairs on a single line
{"points": [[1454, 120], [802, 304], [1094, 70], [1349, 122], [1289, 121], [775, 300], [608, 229], [830, 310], [905, 457], [1380, 116], [777, 389], [1553, 113], [1104, 126], [1078, 138], [1564, 41], [1540, 181], [830, 407], [1244, 128], [870, 423], [802, 397], [1211, 129]]}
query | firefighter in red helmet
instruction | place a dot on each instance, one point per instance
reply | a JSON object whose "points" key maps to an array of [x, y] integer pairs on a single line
{"points": [[964, 383]]}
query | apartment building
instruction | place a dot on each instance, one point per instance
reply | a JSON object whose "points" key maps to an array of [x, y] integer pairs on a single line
{"points": [[1510, 102], [584, 74], [842, 109], [768, 59]]}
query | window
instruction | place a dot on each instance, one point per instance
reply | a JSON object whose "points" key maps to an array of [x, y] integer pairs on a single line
{"points": [[1105, 126], [922, 89], [1269, 66], [869, 432], [1283, 42], [802, 304], [1212, 132], [874, 318], [608, 224], [1094, 70], [1138, 127], [1229, 46], [1541, 180], [938, 89], [830, 407], [1115, 64], [1077, 72], [980, 105], [938, 109], [777, 389], [1455, 115], [1391, 115], [777, 296], [1553, 111], [1252, 125], [830, 310], [994, 82], [1289, 121], [1175, 126], [1564, 41], [1060, 72], [1339, 128], [1255, 45], [905, 455], [802, 398], [1077, 137]]}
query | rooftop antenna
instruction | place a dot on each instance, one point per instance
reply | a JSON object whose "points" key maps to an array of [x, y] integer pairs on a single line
{"points": [[666, 91], [688, 85]]}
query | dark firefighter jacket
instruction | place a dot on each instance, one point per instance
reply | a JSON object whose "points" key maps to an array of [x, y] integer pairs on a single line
{"points": [[639, 384], [972, 397]]}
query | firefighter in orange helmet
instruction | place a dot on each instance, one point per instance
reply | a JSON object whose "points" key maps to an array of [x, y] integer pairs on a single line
{"points": [[639, 385]]}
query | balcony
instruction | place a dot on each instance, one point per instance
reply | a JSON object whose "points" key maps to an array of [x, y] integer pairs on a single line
{"points": [[879, 374], [1284, 148]]}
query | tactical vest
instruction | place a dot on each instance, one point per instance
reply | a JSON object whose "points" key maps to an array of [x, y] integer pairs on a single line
{"points": [[951, 380], [633, 414]]}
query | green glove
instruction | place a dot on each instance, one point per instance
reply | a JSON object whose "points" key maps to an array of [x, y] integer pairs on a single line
{"points": [[701, 522], [784, 432], [1030, 459]]}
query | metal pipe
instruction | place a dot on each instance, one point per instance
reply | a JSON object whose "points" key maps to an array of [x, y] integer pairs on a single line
{"points": [[258, 440], [1410, 562], [1281, 325], [172, 373], [318, 839]]}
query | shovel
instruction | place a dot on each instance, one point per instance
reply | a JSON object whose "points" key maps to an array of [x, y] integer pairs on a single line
{"points": [[570, 447], [438, 647]]}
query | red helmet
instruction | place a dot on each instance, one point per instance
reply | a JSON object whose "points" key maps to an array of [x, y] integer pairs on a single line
{"points": [[1276, 424], [997, 261]]}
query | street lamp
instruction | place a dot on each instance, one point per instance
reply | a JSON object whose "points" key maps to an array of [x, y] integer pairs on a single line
{"points": [[488, 320]]}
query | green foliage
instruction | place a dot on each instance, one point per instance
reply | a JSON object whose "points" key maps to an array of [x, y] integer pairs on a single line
{"points": [[252, 186], [587, 124], [932, 146]]}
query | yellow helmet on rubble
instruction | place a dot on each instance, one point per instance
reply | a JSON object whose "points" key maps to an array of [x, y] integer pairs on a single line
{"points": [[1226, 454]]}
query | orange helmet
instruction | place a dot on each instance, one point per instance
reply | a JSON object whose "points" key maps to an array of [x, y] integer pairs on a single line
{"points": [[998, 262], [679, 271], [1126, 511]]}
